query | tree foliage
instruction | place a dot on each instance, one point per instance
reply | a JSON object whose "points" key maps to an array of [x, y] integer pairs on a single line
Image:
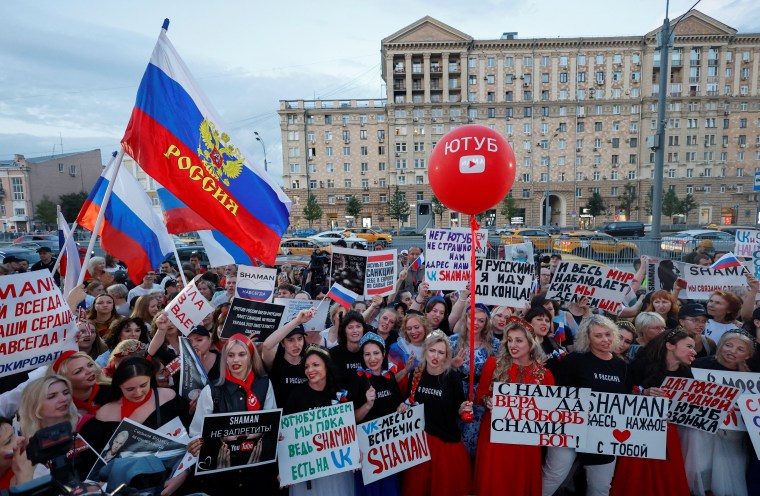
{"points": [[671, 205], [688, 205], [509, 208], [71, 204], [398, 207], [46, 213], [628, 199], [312, 211], [439, 209], [596, 205], [353, 206]]}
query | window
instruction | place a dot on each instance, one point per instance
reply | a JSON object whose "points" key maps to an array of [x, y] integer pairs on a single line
{"points": [[581, 77], [346, 151], [600, 59], [346, 167], [527, 61], [60, 168], [17, 188], [346, 183], [490, 61]]}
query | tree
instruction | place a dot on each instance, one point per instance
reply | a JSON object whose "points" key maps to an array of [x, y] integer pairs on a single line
{"points": [[595, 205], [71, 204], [438, 209], [627, 200], [688, 204], [508, 208], [648, 202], [353, 206], [671, 205], [398, 208], [312, 211], [45, 212]]}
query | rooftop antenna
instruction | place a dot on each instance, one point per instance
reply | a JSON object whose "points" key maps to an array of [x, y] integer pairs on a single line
{"points": [[61, 136], [52, 154]]}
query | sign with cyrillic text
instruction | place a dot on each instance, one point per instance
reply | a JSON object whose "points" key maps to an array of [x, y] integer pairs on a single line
{"points": [[188, 308], [747, 382], [749, 405], [698, 404], [606, 288], [448, 255], [701, 281], [256, 283], [255, 319], [501, 282], [380, 278]]}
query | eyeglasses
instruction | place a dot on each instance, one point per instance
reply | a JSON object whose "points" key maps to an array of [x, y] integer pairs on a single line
{"points": [[517, 321]]}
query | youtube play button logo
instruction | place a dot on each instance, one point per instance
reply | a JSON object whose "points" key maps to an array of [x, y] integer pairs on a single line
{"points": [[472, 164]]}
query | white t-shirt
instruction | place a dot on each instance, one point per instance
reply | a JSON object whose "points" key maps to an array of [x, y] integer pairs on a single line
{"points": [[141, 291], [714, 330]]}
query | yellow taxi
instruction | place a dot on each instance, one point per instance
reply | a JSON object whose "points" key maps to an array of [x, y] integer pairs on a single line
{"points": [[731, 228], [542, 240], [370, 235], [595, 245], [302, 246]]}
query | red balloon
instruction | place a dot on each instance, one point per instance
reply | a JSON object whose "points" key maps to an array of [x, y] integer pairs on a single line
{"points": [[472, 169]]}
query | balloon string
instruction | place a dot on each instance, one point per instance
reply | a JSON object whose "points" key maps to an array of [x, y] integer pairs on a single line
{"points": [[474, 227]]}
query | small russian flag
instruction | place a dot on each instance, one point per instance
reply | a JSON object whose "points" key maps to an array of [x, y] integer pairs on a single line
{"points": [[342, 296], [559, 333], [418, 263], [726, 261]]}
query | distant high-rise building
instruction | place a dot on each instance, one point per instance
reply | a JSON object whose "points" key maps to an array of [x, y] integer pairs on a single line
{"points": [[577, 111]]}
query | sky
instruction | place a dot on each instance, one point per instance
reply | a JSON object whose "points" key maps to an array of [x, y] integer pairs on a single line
{"points": [[69, 70]]}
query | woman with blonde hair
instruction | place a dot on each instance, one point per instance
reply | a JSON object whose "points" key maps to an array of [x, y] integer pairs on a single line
{"points": [[519, 360], [406, 352], [486, 345], [90, 387], [649, 325], [499, 316], [437, 386]]}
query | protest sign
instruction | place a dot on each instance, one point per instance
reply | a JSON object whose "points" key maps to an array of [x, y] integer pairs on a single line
{"points": [[448, 254], [238, 440], [606, 288], [134, 448], [747, 243], [36, 323], [749, 405], [698, 404], [393, 443], [188, 308], [192, 375], [502, 282], [293, 306], [626, 425], [517, 252], [660, 274], [256, 283], [539, 415], [349, 268], [701, 281], [747, 382], [381, 273], [255, 319], [317, 443], [175, 430]]}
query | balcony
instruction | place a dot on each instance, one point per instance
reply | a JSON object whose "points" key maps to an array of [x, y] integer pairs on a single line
{"points": [[399, 87], [712, 62], [693, 79], [436, 68], [693, 62], [674, 63], [399, 69], [454, 67]]}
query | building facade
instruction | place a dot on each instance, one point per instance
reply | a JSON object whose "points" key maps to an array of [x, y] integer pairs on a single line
{"points": [[24, 182], [577, 111]]}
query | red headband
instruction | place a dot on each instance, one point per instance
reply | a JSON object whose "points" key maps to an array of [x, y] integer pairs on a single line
{"points": [[246, 341], [64, 356]]}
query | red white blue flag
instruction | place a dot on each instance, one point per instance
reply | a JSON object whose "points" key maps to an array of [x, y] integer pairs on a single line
{"points": [[131, 230], [342, 295], [417, 264], [726, 261], [179, 140], [70, 265]]}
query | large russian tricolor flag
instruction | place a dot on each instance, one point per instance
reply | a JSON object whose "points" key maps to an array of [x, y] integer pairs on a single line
{"points": [[180, 219], [178, 139], [131, 230]]}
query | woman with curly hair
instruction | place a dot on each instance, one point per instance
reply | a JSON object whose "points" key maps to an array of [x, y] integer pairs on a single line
{"points": [[519, 360], [486, 345], [665, 305], [120, 330], [437, 386]]}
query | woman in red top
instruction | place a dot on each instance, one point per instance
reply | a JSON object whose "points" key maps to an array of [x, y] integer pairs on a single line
{"points": [[520, 360]]}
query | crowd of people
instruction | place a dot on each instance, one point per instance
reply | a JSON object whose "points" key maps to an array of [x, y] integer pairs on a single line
{"points": [[387, 355]]}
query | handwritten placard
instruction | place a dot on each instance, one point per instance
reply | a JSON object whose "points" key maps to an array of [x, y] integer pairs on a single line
{"points": [[501, 282], [317, 443], [188, 308], [698, 404], [749, 405], [393, 443], [539, 415], [606, 288], [747, 243], [747, 382], [448, 254]]}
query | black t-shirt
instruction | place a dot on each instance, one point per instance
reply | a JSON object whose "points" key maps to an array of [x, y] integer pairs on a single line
{"points": [[302, 397], [392, 337], [710, 363], [442, 396], [285, 376], [346, 362], [645, 375], [589, 371], [387, 395]]}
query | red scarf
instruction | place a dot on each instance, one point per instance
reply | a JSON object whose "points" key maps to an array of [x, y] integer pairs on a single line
{"points": [[5, 480], [88, 405], [253, 402], [129, 407]]}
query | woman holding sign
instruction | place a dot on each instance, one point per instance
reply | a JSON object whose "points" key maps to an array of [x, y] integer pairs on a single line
{"points": [[668, 355], [592, 365], [717, 462], [510, 468], [439, 387], [243, 386]]}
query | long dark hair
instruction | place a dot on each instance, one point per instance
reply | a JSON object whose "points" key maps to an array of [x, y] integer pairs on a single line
{"points": [[132, 367], [332, 376], [114, 330], [651, 360], [351, 316]]}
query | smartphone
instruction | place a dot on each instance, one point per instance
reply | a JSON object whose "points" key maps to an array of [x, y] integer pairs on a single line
{"points": [[681, 283]]}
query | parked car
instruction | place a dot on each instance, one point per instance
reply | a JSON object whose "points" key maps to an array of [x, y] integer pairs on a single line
{"points": [[304, 233], [36, 237], [27, 254], [541, 240], [595, 245], [371, 235], [405, 231], [302, 246], [684, 242], [333, 236], [625, 228], [731, 228], [185, 252]]}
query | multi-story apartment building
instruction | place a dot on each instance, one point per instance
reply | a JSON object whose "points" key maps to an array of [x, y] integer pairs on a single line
{"points": [[25, 181], [577, 111]]}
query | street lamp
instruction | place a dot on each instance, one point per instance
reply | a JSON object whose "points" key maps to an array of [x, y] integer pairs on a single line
{"points": [[264, 146]]}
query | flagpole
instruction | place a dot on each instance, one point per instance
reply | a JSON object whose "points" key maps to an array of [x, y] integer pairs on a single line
{"points": [[65, 243], [179, 264], [101, 214]]}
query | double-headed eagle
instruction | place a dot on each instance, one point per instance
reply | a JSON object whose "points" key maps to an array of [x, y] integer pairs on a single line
{"points": [[224, 161]]}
